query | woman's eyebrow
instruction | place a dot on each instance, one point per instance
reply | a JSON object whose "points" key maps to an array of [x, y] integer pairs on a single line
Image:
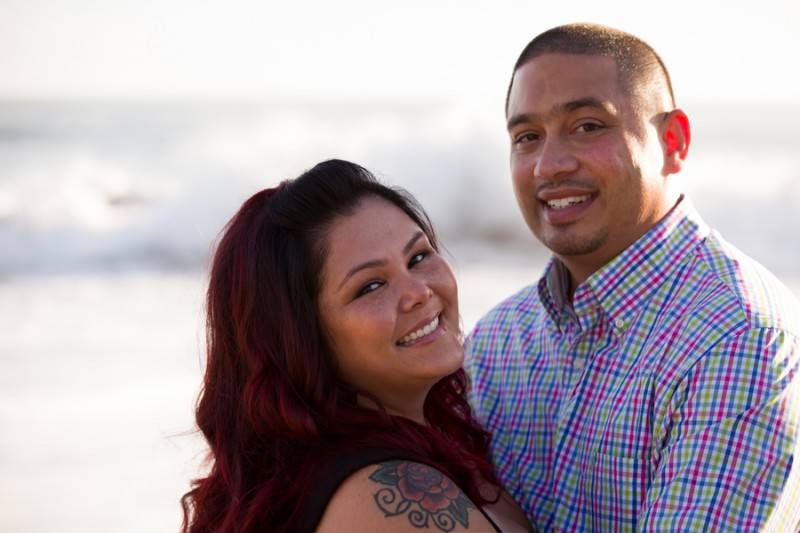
{"points": [[411, 242]]}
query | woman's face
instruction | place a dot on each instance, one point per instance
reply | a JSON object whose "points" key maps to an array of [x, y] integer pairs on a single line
{"points": [[389, 306]]}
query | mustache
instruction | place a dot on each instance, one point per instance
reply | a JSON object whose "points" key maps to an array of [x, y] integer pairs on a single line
{"points": [[563, 184]]}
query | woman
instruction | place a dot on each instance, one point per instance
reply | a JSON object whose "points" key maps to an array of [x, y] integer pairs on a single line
{"points": [[334, 398]]}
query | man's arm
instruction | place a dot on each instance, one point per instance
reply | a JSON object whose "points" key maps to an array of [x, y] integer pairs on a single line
{"points": [[481, 365], [727, 442], [489, 384]]}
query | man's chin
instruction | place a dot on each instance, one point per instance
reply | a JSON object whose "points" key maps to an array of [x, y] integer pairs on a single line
{"points": [[573, 246]]}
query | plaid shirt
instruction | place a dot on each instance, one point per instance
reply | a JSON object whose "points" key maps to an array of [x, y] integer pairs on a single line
{"points": [[664, 398]]}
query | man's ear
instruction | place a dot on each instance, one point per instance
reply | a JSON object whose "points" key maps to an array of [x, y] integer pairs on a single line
{"points": [[676, 135]]}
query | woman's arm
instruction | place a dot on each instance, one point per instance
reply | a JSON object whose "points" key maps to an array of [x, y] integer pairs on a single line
{"points": [[401, 496]]}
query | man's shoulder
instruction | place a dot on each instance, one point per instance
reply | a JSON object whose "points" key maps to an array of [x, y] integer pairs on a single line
{"points": [[522, 308], [500, 343], [749, 289]]}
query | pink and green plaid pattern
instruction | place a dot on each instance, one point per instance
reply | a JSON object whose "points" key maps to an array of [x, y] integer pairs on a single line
{"points": [[666, 398]]}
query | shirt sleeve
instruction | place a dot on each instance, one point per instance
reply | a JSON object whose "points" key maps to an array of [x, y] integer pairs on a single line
{"points": [[483, 395], [727, 454], [480, 354]]}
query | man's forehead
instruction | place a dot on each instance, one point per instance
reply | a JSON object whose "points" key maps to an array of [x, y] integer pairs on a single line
{"points": [[562, 73], [553, 83]]}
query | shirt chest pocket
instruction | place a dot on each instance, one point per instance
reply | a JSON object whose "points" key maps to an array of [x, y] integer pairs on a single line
{"points": [[612, 490]]}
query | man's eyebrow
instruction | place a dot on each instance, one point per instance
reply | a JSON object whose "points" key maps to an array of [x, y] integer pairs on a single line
{"points": [[565, 107], [380, 262], [589, 101]]}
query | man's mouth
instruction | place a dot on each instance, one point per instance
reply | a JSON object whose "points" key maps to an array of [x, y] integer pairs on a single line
{"points": [[562, 203], [427, 329]]}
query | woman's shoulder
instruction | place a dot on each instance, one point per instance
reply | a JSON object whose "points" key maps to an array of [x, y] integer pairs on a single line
{"points": [[400, 495]]}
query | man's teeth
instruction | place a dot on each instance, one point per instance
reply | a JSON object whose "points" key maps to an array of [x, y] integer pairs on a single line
{"points": [[561, 203], [421, 332]]}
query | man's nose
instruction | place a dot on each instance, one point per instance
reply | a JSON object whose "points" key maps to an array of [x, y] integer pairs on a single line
{"points": [[555, 159], [415, 292]]}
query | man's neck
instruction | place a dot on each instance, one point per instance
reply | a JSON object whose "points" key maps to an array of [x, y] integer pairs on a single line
{"points": [[581, 267]]}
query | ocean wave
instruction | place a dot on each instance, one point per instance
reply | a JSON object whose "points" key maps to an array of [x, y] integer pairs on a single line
{"points": [[91, 187]]}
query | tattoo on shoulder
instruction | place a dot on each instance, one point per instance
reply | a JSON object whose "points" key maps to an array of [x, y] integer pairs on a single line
{"points": [[422, 493]]}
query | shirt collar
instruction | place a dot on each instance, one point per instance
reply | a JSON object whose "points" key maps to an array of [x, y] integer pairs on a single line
{"points": [[553, 292], [624, 284]]}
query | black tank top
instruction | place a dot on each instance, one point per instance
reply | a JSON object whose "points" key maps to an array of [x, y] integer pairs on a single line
{"points": [[342, 466]]}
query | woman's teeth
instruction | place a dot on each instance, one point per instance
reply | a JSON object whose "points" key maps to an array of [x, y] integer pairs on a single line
{"points": [[561, 203], [421, 332]]}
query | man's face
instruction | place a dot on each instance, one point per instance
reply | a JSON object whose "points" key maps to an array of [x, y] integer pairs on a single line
{"points": [[586, 160]]}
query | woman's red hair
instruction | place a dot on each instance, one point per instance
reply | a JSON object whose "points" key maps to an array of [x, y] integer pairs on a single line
{"points": [[271, 408]]}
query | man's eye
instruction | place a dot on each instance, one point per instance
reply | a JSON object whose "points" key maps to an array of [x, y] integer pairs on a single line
{"points": [[526, 138], [589, 127], [369, 287]]}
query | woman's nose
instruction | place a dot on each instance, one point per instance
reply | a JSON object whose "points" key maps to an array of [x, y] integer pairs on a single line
{"points": [[415, 292]]}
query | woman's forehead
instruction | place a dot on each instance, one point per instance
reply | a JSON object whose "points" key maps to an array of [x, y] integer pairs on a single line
{"points": [[375, 230]]}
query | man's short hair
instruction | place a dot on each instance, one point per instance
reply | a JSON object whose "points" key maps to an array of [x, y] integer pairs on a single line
{"points": [[638, 65]]}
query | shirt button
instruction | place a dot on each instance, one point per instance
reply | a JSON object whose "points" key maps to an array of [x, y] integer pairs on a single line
{"points": [[620, 323], [578, 363]]}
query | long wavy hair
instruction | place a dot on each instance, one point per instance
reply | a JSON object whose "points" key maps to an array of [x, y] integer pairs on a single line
{"points": [[272, 408]]}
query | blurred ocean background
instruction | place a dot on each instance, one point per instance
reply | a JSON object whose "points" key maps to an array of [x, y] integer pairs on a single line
{"points": [[113, 187], [108, 214]]}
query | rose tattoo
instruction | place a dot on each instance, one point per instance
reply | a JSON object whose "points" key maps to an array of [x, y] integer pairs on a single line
{"points": [[421, 492]]}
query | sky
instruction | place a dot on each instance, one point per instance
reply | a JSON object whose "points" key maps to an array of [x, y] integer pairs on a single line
{"points": [[416, 50]]}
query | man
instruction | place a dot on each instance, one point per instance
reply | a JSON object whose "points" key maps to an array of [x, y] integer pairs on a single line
{"points": [[649, 380]]}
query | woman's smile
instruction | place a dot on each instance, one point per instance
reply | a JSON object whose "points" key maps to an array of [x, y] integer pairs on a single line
{"points": [[427, 333]]}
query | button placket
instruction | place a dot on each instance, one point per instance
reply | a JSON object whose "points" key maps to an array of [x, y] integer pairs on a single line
{"points": [[579, 353]]}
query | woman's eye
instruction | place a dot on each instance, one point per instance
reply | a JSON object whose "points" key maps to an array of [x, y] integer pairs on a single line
{"points": [[369, 287], [417, 258]]}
